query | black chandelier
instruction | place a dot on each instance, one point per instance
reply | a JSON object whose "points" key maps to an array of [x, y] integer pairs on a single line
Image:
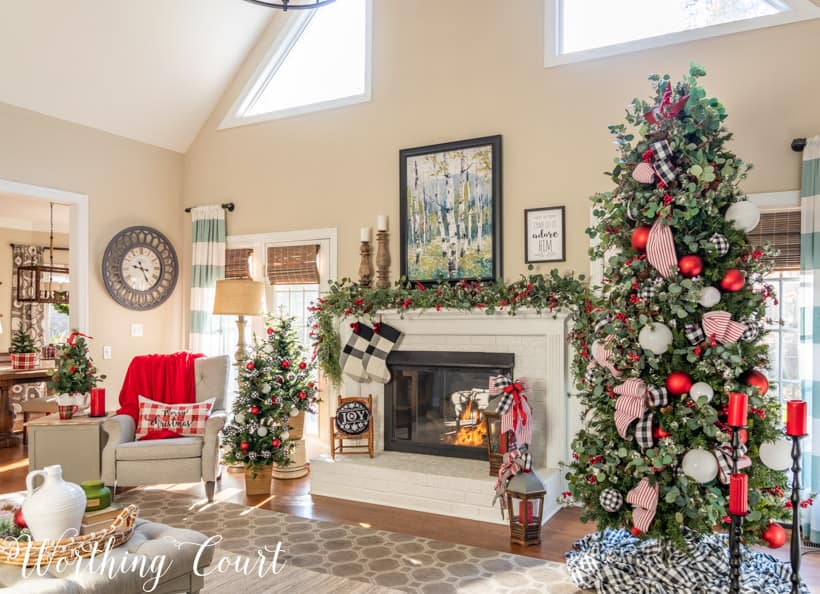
{"points": [[290, 4]]}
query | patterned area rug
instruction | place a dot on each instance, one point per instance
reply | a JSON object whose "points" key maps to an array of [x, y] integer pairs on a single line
{"points": [[325, 557]]}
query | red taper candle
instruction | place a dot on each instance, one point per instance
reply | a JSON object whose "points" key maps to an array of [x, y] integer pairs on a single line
{"points": [[739, 494], [97, 402], [796, 418], [738, 409]]}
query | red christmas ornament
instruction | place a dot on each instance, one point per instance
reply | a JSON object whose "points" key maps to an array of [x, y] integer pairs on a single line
{"points": [[274, 400], [285, 364], [659, 433], [757, 380], [302, 395], [302, 365], [19, 520], [254, 410], [678, 383], [275, 442], [640, 237], [250, 365], [636, 532], [690, 265], [270, 331], [279, 379], [774, 535], [244, 446], [733, 280]]}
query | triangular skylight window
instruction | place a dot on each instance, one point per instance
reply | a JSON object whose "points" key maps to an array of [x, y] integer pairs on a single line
{"points": [[321, 60]]}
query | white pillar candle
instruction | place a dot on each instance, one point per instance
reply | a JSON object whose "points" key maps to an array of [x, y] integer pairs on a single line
{"points": [[381, 222], [365, 233]]}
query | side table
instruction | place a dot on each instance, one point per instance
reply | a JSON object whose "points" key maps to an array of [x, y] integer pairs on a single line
{"points": [[75, 444]]}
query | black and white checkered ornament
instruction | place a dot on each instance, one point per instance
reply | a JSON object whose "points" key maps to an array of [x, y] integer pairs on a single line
{"points": [[752, 331], [592, 374], [665, 171], [694, 334], [648, 292], [611, 500], [721, 244]]}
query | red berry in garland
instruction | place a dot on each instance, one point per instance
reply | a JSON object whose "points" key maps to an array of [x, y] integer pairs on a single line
{"points": [[244, 446], [254, 410], [275, 442], [659, 433], [733, 280], [250, 365], [285, 364], [270, 331], [274, 400], [302, 365], [302, 395], [690, 265], [640, 237], [678, 383]]}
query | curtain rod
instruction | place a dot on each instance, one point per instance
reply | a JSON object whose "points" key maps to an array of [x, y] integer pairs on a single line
{"points": [[229, 206], [798, 144], [45, 247]]}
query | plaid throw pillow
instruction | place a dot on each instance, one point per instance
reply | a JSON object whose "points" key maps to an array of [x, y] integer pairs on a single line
{"points": [[158, 420]]}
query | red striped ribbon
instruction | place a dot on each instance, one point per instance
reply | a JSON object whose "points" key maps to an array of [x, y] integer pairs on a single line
{"points": [[720, 324], [660, 249]]}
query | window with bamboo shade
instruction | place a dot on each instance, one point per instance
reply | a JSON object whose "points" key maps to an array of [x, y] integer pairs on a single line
{"points": [[237, 263], [781, 229], [293, 265]]}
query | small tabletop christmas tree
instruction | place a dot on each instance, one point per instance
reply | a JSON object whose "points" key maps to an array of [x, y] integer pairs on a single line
{"points": [[74, 370], [679, 332], [21, 343], [275, 385]]}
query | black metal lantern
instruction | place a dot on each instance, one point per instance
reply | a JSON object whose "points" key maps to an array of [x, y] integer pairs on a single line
{"points": [[525, 507], [498, 442]]}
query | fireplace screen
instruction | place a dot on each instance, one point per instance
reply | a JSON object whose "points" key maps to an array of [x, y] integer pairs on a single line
{"points": [[434, 401]]}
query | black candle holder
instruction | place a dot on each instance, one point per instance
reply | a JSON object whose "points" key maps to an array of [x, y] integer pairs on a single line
{"points": [[795, 499], [736, 526]]}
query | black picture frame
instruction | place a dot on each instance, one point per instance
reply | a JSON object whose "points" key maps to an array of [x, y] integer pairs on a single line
{"points": [[475, 192], [536, 230]]}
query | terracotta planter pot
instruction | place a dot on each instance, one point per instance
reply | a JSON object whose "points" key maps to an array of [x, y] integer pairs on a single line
{"points": [[24, 360], [297, 426], [260, 484]]}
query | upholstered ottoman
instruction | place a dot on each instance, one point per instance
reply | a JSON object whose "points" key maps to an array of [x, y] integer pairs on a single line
{"points": [[150, 542]]}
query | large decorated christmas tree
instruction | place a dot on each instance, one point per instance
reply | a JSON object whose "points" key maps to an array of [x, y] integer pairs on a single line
{"points": [[680, 330], [275, 385]]}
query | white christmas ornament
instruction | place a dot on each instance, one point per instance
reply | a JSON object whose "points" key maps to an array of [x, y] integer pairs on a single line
{"points": [[709, 297], [655, 338], [262, 431], [701, 389], [700, 465], [266, 389], [285, 436], [239, 418], [293, 412], [777, 455], [745, 215]]}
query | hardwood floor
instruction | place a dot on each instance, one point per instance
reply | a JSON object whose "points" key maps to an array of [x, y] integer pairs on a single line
{"points": [[293, 497]]}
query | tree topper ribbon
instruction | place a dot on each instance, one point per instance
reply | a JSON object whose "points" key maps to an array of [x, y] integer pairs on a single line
{"points": [[514, 407], [73, 336], [720, 325], [666, 109], [660, 249], [644, 499]]}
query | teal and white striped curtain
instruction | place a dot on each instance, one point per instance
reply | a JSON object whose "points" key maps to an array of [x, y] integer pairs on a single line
{"points": [[208, 267], [810, 319]]}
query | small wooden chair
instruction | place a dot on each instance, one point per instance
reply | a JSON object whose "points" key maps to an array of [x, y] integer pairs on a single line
{"points": [[338, 436]]}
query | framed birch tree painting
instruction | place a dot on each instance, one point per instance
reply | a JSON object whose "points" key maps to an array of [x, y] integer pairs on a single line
{"points": [[450, 227]]}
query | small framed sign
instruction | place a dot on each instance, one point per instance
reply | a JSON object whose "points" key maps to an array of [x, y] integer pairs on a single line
{"points": [[545, 235]]}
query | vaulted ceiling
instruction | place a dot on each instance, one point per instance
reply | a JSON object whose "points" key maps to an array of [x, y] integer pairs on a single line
{"points": [[151, 70]]}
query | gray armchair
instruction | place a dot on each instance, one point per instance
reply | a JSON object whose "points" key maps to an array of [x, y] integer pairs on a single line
{"points": [[129, 463]]}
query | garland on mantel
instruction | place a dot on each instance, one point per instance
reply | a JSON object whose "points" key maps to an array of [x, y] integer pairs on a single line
{"points": [[539, 292]]}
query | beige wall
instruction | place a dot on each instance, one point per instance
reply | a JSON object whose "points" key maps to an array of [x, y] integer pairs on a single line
{"points": [[7, 237], [127, 183], [465, 68]]}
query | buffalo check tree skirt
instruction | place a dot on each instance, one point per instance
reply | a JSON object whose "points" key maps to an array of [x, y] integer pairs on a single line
{"points": [[614, 561]]}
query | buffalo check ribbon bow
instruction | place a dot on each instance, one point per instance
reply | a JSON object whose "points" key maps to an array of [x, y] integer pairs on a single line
{"points": [[660, 249], [634, 399], [667, 109], [644, 499], [720, 325], [514, 407], [723, 453], [514, 462], [601, 354]]}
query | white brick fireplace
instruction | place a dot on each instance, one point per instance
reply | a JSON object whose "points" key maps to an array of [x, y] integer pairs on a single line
{"points": [[453, 486]]}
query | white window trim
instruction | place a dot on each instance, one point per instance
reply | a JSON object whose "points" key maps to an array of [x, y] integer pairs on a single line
{"points": [[274, 57], [795, 10]]}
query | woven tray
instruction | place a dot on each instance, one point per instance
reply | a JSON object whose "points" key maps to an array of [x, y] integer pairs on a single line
{"points": [[24, 552]]}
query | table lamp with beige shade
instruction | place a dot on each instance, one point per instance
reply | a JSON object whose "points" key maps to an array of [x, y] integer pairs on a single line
{"points": [[240, 297]]}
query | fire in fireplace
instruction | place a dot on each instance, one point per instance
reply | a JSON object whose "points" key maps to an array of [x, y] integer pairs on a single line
{"points": [[434, 401]]}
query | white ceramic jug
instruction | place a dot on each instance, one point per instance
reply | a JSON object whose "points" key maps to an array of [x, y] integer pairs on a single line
{"points": [[55, 509]]}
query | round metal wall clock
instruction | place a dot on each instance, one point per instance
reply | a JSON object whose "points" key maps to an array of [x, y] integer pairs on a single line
{"points": [[140, 268]]}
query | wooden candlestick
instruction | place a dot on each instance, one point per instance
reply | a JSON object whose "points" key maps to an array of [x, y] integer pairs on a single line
{"points": [[382, 260], [365, 266]]}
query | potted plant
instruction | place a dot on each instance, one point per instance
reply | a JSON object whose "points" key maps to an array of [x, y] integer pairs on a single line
{"points": [[275, 388], [74, 375], [22, 351]]}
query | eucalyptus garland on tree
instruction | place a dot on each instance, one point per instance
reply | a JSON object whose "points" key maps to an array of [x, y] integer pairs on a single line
{"points": [[679, 330], [276, 384]]}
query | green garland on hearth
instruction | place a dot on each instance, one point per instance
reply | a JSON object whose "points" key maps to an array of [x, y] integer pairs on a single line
{"points": [[539, 292]]}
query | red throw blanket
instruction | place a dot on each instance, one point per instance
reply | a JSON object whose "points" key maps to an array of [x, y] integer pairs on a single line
{"points": [[164, 378]]}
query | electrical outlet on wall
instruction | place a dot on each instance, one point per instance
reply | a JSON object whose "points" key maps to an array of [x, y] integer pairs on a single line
{"points": [[136, 330], [107, 352]]}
